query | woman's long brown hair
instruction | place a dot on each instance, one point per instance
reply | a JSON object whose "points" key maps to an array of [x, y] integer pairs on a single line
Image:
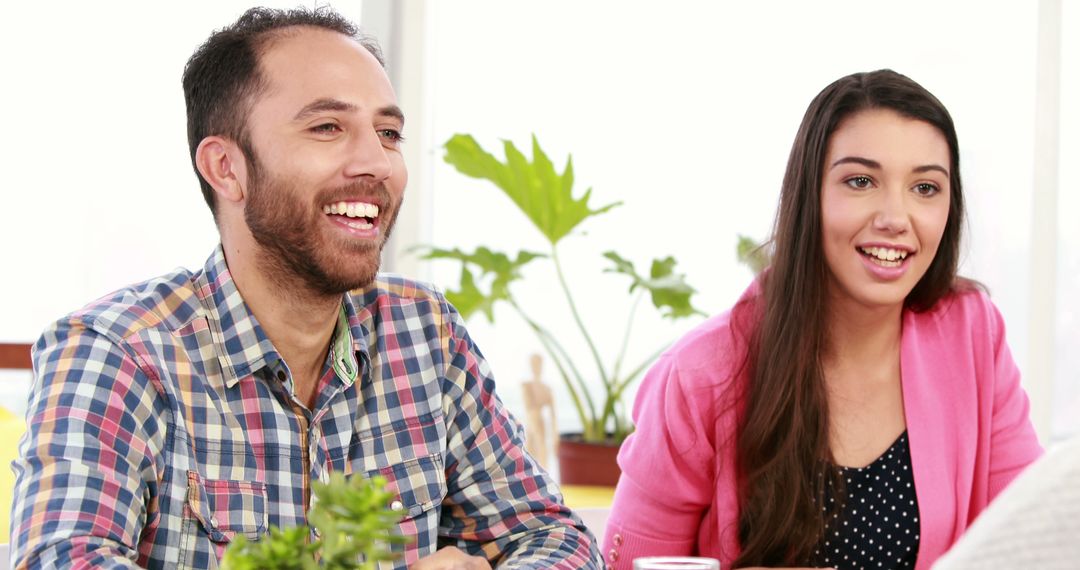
{"points": [[783, 443]]}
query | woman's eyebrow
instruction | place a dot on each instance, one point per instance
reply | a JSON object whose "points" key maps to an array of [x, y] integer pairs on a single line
{"points": [[857, 160]]}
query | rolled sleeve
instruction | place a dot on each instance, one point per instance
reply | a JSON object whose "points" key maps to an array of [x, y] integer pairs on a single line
{"points": [[500, 504], [87, 469]]}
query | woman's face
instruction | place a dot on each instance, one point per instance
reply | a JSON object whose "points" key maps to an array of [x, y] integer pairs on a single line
{"points": [[884, 205]]}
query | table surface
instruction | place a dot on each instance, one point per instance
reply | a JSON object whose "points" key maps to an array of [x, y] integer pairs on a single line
{"points": [[586, 496]]}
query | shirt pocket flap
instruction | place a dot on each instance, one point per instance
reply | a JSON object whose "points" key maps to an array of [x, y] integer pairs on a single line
{"points": [[225, 509], [419, 484]]}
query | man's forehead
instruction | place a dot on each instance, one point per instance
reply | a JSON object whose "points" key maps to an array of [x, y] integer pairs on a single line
{"points": [[313, 63]]}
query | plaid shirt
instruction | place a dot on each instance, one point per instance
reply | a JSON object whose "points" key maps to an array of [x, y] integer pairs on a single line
{"points": [[162, 424]]}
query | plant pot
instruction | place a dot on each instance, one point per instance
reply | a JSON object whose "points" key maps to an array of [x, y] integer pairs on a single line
{"points": [[582, 463]]}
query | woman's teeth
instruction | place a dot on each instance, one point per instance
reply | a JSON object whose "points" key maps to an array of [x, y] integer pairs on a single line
{"points": [[885, 256]]}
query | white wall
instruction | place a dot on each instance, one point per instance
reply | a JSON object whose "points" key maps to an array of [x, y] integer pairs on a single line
{"points": [[98, 189], [686, 111], [683, 109], [1066, 397]]}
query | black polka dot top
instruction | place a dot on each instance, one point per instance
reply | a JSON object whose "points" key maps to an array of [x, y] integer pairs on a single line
{"points": [[878, 527]]}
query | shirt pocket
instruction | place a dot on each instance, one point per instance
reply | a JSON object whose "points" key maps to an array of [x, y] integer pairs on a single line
{"points": [[419, 486], [216, 511]]}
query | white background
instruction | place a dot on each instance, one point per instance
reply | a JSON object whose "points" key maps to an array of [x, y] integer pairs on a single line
{"points": [[685, 111]]}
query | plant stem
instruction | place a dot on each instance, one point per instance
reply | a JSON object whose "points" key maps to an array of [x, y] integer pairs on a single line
{"points": [[577, 318], [555, 350], [637, 371], [626, 337]]}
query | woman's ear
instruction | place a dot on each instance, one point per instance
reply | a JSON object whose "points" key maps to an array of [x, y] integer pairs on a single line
{"points": [[222, 164]]}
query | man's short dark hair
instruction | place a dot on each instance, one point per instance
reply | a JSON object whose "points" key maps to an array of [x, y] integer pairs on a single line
{"points": [[222, 78]]}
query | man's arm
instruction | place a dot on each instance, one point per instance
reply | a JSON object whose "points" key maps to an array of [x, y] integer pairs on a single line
{"points": [[87, 465], [500, 504]]}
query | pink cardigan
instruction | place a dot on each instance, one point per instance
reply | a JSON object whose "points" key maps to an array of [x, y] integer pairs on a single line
{"points": [[967, 421]]}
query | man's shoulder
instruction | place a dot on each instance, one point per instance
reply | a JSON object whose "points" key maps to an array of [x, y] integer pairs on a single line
{"points": [[393, 305], [393, 289], [167, 302]]}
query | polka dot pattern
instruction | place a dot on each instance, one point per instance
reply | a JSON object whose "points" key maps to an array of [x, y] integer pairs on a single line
{"points": [[878, 528]]}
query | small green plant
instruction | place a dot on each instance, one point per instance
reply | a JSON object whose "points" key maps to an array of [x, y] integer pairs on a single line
{"points": [[354, 525], [546, 198], [752, 254]]}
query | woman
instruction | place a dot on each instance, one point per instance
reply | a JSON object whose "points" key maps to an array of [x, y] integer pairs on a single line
{"points": [[858, 407]]}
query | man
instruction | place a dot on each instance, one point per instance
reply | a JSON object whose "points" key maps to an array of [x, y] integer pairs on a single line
{"points": [[178, 413]]}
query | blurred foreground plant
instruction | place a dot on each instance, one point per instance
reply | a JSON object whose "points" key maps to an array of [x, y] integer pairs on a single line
{"points": [[354, 523]]}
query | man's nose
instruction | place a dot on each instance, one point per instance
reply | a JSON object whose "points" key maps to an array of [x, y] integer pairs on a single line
{"points": [[368, 158]]}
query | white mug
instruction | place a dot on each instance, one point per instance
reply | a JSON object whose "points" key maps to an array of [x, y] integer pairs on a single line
{"points": [[676, 563]]}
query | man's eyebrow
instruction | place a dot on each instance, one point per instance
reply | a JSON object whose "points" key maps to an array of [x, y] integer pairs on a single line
{"points": [[322, 105], [857, 160], [330, 104], [392, 111]]}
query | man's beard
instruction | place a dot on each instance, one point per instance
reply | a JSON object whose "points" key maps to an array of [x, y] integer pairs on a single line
{"points": [[295, 253]]}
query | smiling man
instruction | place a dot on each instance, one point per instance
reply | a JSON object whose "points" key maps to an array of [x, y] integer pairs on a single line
{"points": [[175, 414]]}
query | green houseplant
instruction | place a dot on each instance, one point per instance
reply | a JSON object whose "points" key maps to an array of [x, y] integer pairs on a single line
{"points": [[546, 198], [354, 522]]}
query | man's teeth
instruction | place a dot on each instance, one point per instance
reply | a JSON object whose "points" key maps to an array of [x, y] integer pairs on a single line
{"points": [[885, 253], [352, 210]]}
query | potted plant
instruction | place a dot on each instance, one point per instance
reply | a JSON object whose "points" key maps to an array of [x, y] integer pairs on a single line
{"points": [[354, 522], [547, 199]]}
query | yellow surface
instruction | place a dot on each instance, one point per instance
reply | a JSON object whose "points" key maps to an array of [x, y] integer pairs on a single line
{"points": [[11, 429], [587, 497]]}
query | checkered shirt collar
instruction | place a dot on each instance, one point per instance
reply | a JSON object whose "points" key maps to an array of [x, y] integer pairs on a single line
{"points": [[243, 346]]}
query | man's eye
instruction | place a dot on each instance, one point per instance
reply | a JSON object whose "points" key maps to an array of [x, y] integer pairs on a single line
{"points": [[325, 129], [391, 135], [859, 182]]}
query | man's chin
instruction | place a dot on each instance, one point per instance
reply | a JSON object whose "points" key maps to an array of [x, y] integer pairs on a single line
{"points": [[345, 277]]}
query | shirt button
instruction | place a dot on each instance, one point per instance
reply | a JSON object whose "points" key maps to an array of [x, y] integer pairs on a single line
{"points": [[281, 375], [213, 521], [617, 539], [613, 556], [316, 531], [396, 505]]}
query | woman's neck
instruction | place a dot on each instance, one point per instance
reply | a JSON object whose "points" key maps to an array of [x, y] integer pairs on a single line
{"points": [[861, 336]]}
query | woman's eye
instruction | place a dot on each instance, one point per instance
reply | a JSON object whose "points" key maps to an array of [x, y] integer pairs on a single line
{"points": [[859, 182], [926, 189]]}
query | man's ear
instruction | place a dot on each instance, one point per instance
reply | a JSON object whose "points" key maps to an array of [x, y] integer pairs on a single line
{"points": [[221, 163]]}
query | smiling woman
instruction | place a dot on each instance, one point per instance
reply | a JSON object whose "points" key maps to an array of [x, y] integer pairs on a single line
{"points": [[885, 198], [859, 405]]}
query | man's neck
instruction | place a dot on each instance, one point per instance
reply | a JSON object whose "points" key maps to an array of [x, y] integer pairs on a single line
{"points": [[300, 324]]}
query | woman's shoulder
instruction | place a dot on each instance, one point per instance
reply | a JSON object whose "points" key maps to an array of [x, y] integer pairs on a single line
{"points": [[966, 316], [715, 351], [967, 307]]}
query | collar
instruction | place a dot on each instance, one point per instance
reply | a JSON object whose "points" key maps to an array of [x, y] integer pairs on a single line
{"points": [[244, 348]]}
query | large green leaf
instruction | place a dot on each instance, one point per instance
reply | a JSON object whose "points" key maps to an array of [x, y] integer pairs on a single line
{"points": [[540, 192], [469, 298], [669, 291]]}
